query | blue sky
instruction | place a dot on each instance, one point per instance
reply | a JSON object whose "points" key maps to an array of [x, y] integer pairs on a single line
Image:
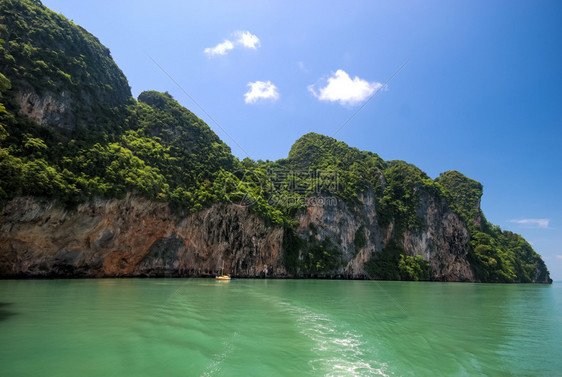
{"points": [[481, 91]]}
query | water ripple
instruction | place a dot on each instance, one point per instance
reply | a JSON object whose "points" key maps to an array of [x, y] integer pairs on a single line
{"points": [[339, 351], [215, 366]]}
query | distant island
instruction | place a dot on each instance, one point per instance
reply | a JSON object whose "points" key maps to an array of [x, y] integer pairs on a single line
{"points": [[95, 183]]}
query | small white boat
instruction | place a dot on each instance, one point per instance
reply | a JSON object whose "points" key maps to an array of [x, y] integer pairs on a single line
{"points": [[222, 276]]}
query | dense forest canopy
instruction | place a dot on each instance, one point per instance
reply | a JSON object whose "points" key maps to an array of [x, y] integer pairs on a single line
{"points": [[153, 147]]}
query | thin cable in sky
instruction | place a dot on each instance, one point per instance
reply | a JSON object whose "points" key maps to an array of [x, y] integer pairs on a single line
{"points": [[198, 105]]}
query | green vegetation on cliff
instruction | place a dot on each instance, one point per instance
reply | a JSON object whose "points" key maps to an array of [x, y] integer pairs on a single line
{"points": [[113, 144], [100, 142], [496, 255], [393, 264], [44, 53]]}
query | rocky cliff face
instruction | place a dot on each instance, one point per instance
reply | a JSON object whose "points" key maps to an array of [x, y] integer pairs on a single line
{"points": [[48, 109], [337, 222], [443, 240], [137, 237], [134, 237]]}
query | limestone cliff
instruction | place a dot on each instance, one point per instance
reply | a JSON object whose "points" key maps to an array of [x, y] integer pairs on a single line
{"points": [[61, 75], [443, 240], [134, 237], [137, 237], [48, 109]]}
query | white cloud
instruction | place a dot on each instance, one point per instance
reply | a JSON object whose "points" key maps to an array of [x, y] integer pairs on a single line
{"points": [[341, 88], [261, 90], [247, 39], [242, 38], [220, 49], [541, 223], [559, 256], [302, 67]]}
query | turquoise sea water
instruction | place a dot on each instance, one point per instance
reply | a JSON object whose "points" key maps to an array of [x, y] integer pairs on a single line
{"points": [[203, 327]]}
